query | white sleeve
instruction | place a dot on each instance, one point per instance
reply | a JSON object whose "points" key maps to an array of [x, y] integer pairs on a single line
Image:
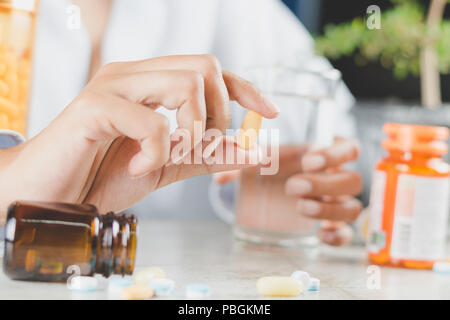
{"points": [[9, 139], [265, 32]]}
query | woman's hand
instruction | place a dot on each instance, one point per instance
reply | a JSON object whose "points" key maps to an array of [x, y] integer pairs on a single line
{"points": [[324, 190], [110, 147]]}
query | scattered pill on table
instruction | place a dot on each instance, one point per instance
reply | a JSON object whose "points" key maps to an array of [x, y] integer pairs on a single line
{"points": [[198, 291], [301, 276], [119, 283], [441, 267], [115, 286], [144, 276], [279, 286], [314, 284], [137, 292], [103, 282], [162, 286], [84, 283]]}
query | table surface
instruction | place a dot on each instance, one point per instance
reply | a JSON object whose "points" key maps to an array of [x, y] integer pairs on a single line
{"points": [[204, 251]]}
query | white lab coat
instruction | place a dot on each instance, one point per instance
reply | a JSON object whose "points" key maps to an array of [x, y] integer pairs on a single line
{"points": [[241, 33]]}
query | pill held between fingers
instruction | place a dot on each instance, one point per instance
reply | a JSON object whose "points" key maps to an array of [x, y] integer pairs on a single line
{"points": [[84, 283], [249, 130], [137, 292], [144, 276], [197, 291], [301, 276], [279, 286], [162, 286]]}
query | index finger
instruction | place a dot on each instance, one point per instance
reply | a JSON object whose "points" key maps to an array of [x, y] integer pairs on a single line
{"points": [[239, 89], [248, 96]]}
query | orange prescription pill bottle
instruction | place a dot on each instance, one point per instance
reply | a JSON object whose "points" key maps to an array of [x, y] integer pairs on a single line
{"points": [[409, 200]]}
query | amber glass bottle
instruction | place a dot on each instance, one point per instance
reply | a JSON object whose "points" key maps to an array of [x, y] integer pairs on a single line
{"points": [[51, 241], [409, 198]]}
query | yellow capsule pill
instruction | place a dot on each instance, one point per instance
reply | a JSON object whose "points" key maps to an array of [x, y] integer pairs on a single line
{"points": [[23, 94], [18, 126], [13, 83], [8, 108], [144, 276], [137, 292], [3, 68], [4, 121], [4, 88], [279, 286], [11, 61], [249, 130], [24, 68]]}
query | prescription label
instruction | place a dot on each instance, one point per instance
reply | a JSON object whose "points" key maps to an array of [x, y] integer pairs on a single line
{"points": [[420, 218], [377, 237]]}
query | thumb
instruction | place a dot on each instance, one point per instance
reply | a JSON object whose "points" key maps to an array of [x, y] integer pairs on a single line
{"points": [[227, 156]]}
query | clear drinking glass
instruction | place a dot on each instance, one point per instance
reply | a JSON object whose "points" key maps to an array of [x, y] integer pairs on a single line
{"points": [[262, 212]]}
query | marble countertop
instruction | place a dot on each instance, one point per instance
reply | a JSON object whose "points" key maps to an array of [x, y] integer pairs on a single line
{"points": [[204, 251]]}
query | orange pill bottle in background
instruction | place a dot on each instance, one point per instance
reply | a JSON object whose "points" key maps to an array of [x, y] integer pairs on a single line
{"points": [[409, 202], [17, 25]]}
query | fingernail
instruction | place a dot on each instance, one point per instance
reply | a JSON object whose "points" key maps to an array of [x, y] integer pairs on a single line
{"points": [[313, 162], [169, 163], [341, 149], [309, 207], [298, 187], [139, 176], [351, 204], [329, 225], [344, 232], [329, 237], [271, 106]]}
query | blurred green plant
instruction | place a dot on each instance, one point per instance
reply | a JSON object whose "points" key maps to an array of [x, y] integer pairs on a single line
{"points": [[410, 41]]}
